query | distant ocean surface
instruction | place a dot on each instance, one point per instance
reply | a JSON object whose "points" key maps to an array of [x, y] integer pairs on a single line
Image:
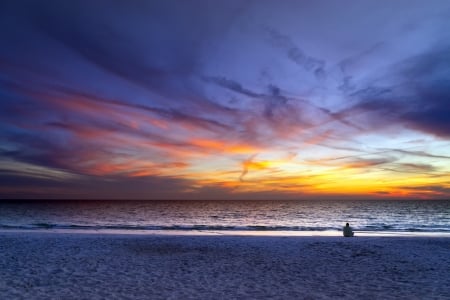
{"points": [[291, 216]]}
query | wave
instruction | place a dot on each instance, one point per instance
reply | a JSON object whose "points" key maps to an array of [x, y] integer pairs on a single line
{"points": [[202, 227]]}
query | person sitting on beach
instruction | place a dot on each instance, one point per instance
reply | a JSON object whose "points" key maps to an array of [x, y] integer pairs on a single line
{"points": [[347, 231]]}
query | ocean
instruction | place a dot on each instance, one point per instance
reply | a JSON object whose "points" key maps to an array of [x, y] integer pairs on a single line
{"points": [[371, 216]]}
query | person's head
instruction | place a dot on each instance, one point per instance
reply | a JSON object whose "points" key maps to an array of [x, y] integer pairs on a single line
{"points": [[347, 225]]}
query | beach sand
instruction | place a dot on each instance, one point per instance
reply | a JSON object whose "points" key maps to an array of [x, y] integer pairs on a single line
{"points": [[41, 265]]}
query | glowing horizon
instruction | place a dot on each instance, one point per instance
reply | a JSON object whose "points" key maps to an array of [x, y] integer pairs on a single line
{"points": [[235, 100]]}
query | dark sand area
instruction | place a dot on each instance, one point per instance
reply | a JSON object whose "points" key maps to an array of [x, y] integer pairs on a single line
{"points": [[41, 265]]}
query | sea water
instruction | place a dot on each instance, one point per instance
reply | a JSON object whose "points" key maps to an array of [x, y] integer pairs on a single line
{"points": [[229, 216]]}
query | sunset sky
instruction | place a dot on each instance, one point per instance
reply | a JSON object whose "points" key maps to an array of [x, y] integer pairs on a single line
{"points": [[225, 99]]}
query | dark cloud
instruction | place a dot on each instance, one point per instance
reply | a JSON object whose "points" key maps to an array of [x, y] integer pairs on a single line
{"points": [[231, 85], [420, 99], [283, 109], [425, 190], [245, 166], [143, 44], [35, 149], [348, 63], [416, 153], [272, 98], [274, 101], [429, 76], [418, 167], [167, 113], [19, 187], [414, 168], [296, 54], [365, 163]]}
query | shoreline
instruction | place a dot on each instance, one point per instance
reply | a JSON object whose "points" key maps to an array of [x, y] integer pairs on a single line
{"points": [[43, 265], [243, 233]]}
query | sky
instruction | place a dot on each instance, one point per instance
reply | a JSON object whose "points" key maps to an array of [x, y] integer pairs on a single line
{"points": [[225, 99]]}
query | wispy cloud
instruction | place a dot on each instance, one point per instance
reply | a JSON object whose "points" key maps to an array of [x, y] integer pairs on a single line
{"points": [[296, 54]]}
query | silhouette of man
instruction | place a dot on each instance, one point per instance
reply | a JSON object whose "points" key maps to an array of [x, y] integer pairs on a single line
{"points": [[347, 231]]}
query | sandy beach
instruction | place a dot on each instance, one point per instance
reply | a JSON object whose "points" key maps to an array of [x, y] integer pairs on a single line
{"points": [[42, 265]]}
